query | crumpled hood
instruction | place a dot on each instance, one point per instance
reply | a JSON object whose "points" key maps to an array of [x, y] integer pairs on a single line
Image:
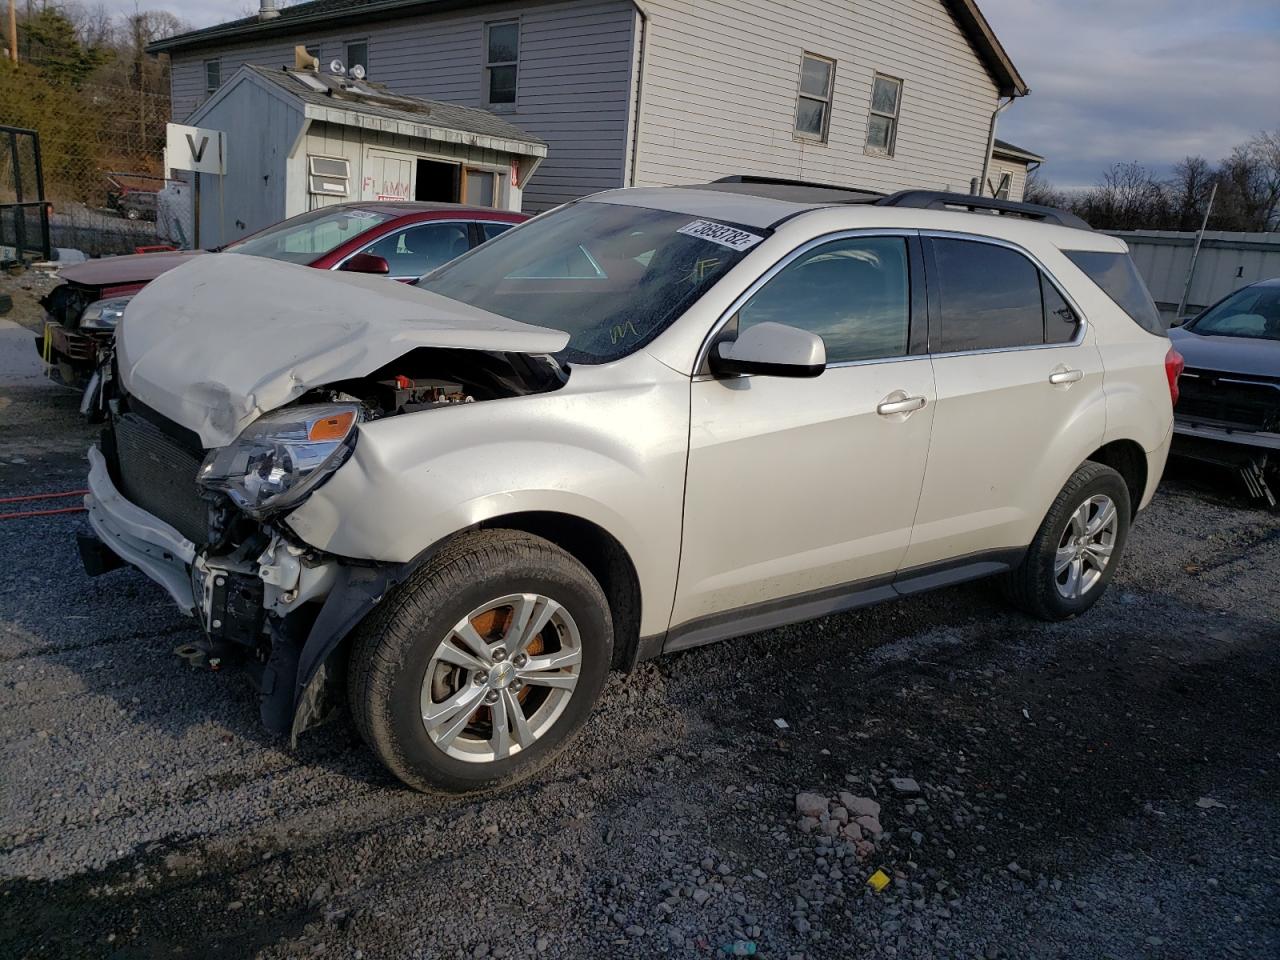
{"points": [[224, 338], [1248, 355]]}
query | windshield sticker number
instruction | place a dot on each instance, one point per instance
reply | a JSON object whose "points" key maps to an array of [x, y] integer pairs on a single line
{"points": [[730, 237]]}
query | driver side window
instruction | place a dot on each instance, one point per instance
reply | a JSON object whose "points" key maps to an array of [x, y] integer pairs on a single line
{"points": [[420, 249], [854, 293]]}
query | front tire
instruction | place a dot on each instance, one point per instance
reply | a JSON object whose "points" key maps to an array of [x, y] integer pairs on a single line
{"points": [[1075, 552], [482, 666]]}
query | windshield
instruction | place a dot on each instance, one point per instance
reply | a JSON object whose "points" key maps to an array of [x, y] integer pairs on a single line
{"points": [[1253, 312], [612, 276], [307, 236]]}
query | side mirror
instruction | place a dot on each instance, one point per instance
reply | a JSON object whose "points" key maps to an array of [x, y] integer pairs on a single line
{"points": [[366, 263], [771, 350]]}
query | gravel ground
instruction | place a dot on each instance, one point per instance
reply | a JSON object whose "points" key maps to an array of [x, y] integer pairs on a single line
{"points": [[1107, 787]]}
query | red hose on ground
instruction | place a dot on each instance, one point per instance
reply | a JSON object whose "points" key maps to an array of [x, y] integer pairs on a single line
{"points": [[27, 498]]}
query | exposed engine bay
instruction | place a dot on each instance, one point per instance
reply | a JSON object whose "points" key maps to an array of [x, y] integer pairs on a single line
{"points": [[258, 591]]}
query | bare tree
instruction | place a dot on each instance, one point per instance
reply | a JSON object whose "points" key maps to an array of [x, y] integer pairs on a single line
{"points": [[1128, 198], [1188, 191], [1039, 189]]}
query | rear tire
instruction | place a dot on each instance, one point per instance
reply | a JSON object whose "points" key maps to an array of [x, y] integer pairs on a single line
{"points": [[449, 691], [1077, 548]]}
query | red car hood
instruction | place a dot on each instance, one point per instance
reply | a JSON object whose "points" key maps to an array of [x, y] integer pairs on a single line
{"points": [[135, 268]]}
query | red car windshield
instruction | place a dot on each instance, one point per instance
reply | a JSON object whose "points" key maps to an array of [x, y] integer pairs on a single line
{"points": [[303, 238]]}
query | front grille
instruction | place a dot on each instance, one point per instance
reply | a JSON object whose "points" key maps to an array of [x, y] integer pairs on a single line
{"points": [[159, 474], [1238, 400]]}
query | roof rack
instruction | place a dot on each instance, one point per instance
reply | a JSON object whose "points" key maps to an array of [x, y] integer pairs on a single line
{"points": [[937, 200]]}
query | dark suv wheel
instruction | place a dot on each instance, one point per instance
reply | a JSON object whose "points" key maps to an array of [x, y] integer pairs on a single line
{"points": [[1076, 550], [483, 665]]}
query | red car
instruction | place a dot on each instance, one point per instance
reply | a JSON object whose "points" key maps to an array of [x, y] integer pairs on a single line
{"points": [[400, 239]]}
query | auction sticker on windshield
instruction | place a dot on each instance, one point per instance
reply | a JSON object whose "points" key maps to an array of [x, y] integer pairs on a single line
{"points": [[719, 233]]}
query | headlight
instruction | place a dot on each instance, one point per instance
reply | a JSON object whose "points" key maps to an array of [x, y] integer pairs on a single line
{"points": [[281, 457], [103, 314]]}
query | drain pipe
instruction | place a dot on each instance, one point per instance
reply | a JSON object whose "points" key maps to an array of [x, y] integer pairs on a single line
{"points": [[991, 143], [635, 120]]}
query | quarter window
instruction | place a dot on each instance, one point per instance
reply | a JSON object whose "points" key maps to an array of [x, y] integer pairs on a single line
{"points": [[813, 104], [1060, 321], [212, 75], [853, 293], [502, 42], [882, 125]]}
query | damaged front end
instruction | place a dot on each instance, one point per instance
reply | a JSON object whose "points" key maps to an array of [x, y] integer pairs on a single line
{"points": [[211, 524]]}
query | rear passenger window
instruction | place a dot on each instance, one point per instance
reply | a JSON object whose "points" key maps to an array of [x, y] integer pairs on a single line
{"points": [[989, 297], [1120, 280], [852, 293]]}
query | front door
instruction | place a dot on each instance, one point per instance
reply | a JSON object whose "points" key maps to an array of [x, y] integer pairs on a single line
{"points": [[801, 490], [1020, 401]]}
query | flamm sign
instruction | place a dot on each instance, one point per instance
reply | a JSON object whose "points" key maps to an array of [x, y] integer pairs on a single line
{"points": [[195, 148]]}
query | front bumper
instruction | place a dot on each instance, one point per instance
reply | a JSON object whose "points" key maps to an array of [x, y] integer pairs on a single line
{"points": [[138, 537]]}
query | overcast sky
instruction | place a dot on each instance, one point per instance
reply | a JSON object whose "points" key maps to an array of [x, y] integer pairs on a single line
{"points": [[1148, 80]]}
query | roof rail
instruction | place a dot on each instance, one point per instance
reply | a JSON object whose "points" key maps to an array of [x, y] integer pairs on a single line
{"points": [[938, 200]]}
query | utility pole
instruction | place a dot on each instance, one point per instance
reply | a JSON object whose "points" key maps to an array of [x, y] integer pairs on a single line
{"points": [[1195, 253], [13, 30]]}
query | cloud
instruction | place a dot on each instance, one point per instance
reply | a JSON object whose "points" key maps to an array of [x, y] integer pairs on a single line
{"points": [[1141, 80]]}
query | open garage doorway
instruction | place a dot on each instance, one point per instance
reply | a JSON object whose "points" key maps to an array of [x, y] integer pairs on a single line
{"points": [[438, 181]]}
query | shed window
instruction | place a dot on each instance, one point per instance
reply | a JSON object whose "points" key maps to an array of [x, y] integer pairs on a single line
{"points": [[882, 125], [212, 75], [358, 53], [502, 42], [813, 103]]}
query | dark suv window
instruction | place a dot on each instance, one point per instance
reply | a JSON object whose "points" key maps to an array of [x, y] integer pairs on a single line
{"points": [[1120, 280], [853, 293], [992, 298], [989, 296]]}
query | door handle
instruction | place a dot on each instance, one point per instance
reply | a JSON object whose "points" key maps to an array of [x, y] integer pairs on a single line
{"points": [[1065, 376], [889, 407]]}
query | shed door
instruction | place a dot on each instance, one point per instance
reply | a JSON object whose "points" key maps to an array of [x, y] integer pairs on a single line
{"points": [[387, 176]]}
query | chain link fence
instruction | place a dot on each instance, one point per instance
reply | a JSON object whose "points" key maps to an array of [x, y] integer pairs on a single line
{"points": [[103, 147]]}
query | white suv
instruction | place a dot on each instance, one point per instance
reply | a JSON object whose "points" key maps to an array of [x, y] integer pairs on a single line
{"points": [[644, 421]]}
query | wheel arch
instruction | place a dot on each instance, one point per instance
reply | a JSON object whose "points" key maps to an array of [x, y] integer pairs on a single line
{"points": [[1128, 459], [605, 558]]}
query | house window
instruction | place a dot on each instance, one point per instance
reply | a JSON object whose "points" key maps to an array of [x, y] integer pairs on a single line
{"points": [[212, 75], [882, 125], [502, 42], [358, 53], [813, 103]]}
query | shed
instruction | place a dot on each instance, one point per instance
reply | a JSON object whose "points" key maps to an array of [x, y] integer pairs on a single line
{"points": [[298, 139]]}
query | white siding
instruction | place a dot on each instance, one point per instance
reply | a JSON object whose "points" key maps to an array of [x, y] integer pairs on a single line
{"points": [[1017, 182], [574, 72], [721, 80]]}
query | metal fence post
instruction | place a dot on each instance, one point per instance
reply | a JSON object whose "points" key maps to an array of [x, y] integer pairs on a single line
{"points": [[1195, 252]]}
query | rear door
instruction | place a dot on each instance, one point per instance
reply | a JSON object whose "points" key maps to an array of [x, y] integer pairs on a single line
{"points": [[1019, 402], [801, 491]]}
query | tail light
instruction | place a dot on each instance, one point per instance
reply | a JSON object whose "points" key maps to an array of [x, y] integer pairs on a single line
{"points": [[1173, 367]]}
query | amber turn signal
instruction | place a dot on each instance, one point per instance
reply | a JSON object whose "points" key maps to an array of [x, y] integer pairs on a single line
{"points": [[331, 428]]}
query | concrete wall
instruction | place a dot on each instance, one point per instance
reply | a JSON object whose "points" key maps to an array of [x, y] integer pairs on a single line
{"points": [[573, 80], [721, 81], [1227, 262]]}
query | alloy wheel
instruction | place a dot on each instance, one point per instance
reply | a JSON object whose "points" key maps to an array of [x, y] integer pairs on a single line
{"points": [[501, 678], [1086, 547]]}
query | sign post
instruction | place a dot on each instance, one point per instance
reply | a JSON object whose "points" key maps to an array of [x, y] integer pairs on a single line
{"points": [[199, 150]]}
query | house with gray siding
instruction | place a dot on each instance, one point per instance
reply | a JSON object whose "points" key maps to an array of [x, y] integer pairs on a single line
{"points": [[883, 94]]}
